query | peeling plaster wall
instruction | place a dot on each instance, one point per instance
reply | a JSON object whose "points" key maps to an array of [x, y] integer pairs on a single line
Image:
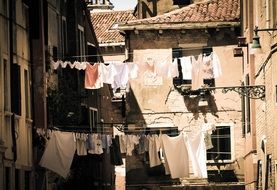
{"points": [[161, 105]]}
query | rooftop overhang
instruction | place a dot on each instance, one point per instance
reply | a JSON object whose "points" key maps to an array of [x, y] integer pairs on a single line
{"points": [[176, 26], [109, 44]]}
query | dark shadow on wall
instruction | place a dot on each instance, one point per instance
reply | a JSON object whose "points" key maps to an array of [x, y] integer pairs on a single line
{"points": [[192, 100]]}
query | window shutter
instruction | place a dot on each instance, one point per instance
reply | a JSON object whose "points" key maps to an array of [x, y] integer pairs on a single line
{"points": [[16, 89]]}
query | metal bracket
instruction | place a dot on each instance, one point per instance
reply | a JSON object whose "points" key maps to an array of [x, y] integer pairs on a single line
{"points": [[253, 92]]}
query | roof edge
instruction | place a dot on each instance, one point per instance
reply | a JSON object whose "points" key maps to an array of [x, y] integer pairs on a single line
{"points": [[111, 44], [176, 26]]}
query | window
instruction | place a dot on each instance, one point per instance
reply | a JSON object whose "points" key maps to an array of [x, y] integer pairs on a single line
{"points": [[178, 53], [16, 89], [221, 140], [81, 38], [93, 117]]}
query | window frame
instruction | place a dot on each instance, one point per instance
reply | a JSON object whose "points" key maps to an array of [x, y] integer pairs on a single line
{"points": [[82, 44], [92, 120], [232, 144], [178, 53]]}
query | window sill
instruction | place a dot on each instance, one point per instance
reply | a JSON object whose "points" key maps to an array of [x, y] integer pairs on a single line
{"points": [[211, 162]]}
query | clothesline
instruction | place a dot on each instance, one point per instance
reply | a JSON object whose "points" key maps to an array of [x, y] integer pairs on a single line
{"points": [[81, 129], [129, 53], [159, 147], [101, 129], [118, 73]]}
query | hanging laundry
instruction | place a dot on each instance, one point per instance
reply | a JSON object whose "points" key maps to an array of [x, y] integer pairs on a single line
{"points": [[93, 78], [208, 141], [154, 148], [216, 65], [115, 154], [123, 143], [95, 144], [167, 68], [207, 67], [164, 159], [59, 153], [208, 128], [173, 69], [55, 64], [106, 142], [186, 67], [131, 141], [81, 65], [133, 70], [108, 73], [197, 154], [196, 74], [81, 139], [72, 65], [143, 145], [178, 161], [64, 64], [121, 78]]}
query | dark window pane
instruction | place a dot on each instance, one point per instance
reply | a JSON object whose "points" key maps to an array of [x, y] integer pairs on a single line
{"points": [[221, 141], [16, 89]]}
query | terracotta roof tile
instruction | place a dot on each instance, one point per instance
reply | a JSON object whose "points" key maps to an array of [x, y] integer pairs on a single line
{"points": [[103, 21], [207, 11]]}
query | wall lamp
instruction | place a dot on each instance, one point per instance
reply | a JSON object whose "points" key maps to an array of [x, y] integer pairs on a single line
{"points": [[256, 39]]}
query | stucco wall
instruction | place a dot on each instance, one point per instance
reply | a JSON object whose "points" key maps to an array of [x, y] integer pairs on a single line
{"points": [[161, 105]]}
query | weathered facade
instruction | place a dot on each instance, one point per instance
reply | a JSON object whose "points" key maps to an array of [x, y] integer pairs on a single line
{"points": [[161, 103], [62, 30], [15, 96], [260, 69], [33, 34]]}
